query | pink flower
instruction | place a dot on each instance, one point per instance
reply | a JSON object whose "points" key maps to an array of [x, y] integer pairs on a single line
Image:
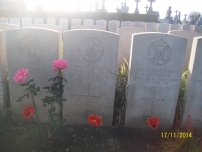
{"points": [[21, 75], [59, 64]]}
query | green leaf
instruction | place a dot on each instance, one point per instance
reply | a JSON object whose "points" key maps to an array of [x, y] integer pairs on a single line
{"points": [[20, 99], [53, 109], [30, 81], [44, 105], [38, 89]]}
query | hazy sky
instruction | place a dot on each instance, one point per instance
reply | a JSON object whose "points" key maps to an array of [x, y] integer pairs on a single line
{"points": [[184, 6]]}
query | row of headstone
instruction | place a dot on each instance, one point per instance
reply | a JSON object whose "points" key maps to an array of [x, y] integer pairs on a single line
{"points": [[156, 64], [107, 25]]}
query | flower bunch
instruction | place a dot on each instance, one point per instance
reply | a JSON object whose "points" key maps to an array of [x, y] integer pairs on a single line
{"points": [[95, 120], [153, 122]]}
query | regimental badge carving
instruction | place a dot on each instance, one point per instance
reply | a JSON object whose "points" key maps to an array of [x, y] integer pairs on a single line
{"points": [[159, 53], [90, 49], [31, 47]]}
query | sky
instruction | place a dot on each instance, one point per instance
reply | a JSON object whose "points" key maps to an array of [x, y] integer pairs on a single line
{"points": [[184, 6]]}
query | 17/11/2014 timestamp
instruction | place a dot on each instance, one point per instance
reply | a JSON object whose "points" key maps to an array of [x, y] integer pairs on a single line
{"points": [[176, 134]]}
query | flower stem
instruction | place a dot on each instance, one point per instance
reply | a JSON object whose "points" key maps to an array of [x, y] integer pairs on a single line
{"points": [[35, 107]]}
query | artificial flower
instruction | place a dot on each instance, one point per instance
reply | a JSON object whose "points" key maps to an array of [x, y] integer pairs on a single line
{"points": [[95, 120], [153, 122], [28, 112], [21, 75], [59, 64]]}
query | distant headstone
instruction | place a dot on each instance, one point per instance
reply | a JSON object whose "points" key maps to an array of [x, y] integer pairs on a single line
{"points": [[193, 98], [75, 22], [162, 27], [5, 26], [174, 27], [88, 27], [102, 23], [63, 22], [192, 27], [26, 22], [88, 22], [136, 9], [113, 25], [127, 24], [15, 21], [3, 20], [125, 36], [90, 87], [151, 26], [139, 24], [34, 49], [198, 29], [154, 81], [189, 35], [51, 21], [38, 21], [186, 27]]}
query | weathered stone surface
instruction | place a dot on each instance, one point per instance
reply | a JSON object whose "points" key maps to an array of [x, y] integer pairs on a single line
{"points": [[163, 27], [34, 49], [154, 79], [26, 22], [125, 36], [55, 28], [151, 26], [51, 21], [186, 27], [91, 77], [15, 21], [38, 21], [102, 23], [88, 22], [174, 27], [75, 22], [127, 24], [63, 22], [113, 25], [88, 27], [197, 29], [139, 24], [192, 101], [189, 35]]}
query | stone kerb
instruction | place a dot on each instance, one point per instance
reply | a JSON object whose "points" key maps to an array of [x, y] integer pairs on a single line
{"points": [[34, 49], [151, 26], [125, 37], [189, 35], [186, 27], [163, 27], [91, 77], [127, 24], [113, 25], [88, 27], [192, 100], [156, 64]]}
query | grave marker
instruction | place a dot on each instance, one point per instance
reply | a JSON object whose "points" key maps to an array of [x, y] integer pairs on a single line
{"points": [[113, 25], [151, 26]]}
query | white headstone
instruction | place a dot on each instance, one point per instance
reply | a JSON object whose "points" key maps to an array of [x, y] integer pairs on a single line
{"points": [[174, 27], [113, 25], [127, 24], [198, 29], [51, 21], [26, 22], [3, 20], [37, 58], [64, 24], [192, 27], [125, 37], [154, 79], [192, 101], [90, 87], [139, 24], [88, 27], [151, 26], [189, 35], [38, 21], [5, 26], [75, 22], [102, 23], [88, 22], [15, 21], [186, 27], [163, 27]]}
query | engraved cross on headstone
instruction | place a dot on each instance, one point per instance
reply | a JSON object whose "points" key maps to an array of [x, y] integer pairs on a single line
{"points": [[152, 99]]}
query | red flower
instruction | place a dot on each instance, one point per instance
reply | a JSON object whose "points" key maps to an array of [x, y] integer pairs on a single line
{"points": [[28, 112], [153, 122], [95, 120]]}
